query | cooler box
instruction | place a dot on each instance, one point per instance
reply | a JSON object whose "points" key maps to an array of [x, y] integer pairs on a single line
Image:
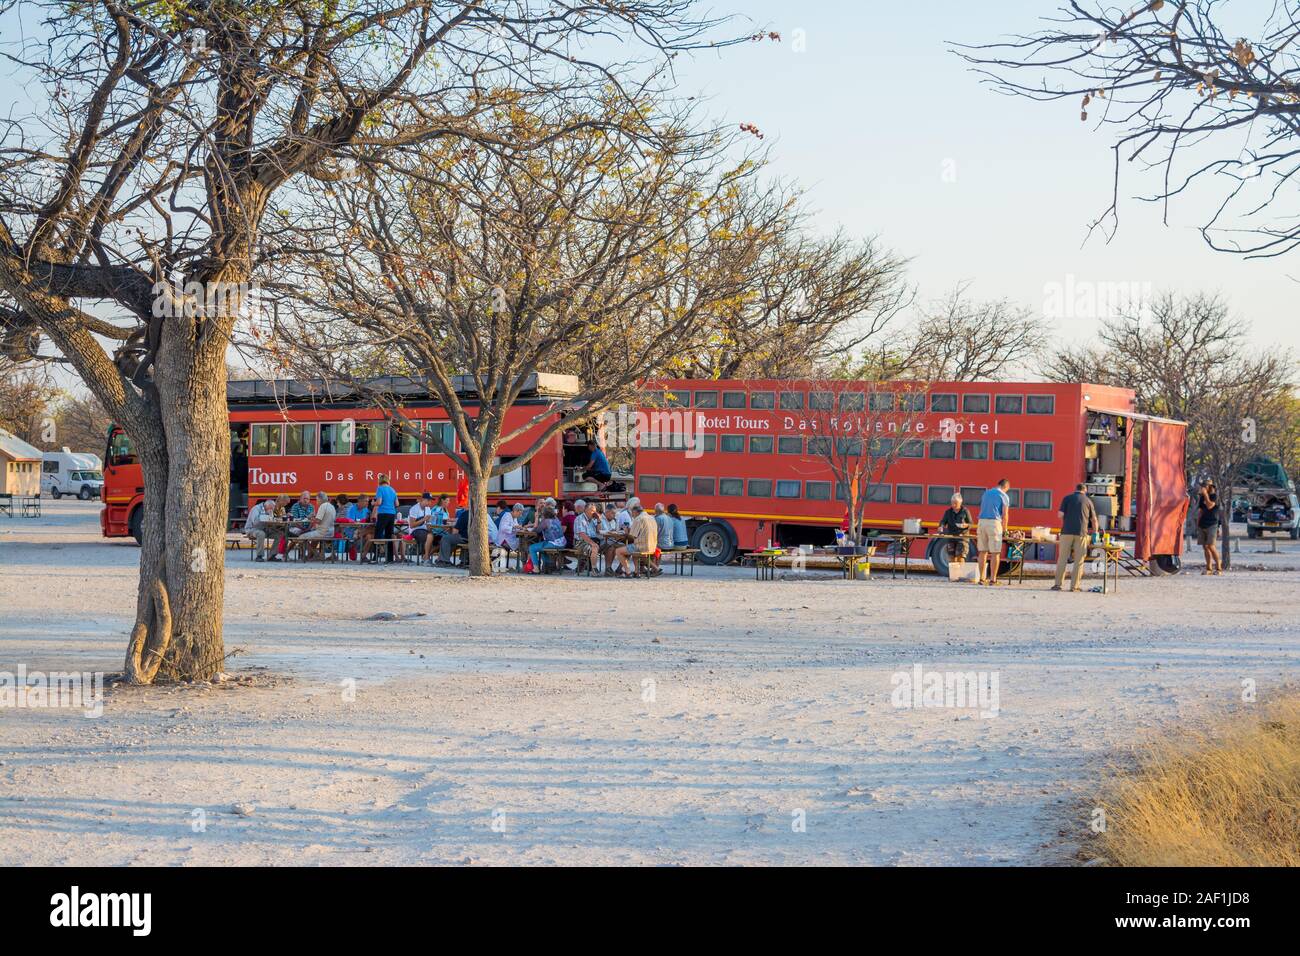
{"points": [[968, 571]]}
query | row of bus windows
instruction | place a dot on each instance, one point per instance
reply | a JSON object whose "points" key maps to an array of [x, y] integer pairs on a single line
{"points": [[820, 446], [821, 491], [971, 404], [343, 438]]}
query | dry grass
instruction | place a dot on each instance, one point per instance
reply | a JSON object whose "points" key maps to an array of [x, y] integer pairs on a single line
{"points": [[1229, 796]]}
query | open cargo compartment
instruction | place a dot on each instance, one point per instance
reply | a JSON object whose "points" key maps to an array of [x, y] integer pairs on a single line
{"points": [[1158, 487]]}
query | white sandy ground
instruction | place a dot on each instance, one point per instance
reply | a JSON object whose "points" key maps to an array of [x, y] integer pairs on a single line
{"points": [[520, 701]]}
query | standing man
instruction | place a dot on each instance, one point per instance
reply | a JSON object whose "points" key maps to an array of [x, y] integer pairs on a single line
{"points": [[956, 523], [1078, 520], [385, 514], [1207, 527], [995, 507]]}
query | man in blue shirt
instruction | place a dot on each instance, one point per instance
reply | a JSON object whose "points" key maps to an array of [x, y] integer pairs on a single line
{"points": [[597, 468], [994, 509], [385, 513]]}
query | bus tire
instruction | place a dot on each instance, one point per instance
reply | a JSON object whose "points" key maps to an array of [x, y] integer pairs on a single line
{"points": [[135, 524], [715, 543], [939, 556], [1162, 564]]}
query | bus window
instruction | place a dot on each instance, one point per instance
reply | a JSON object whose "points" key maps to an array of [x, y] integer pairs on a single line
{"points": [[1040, 404], [1008, 404], [943, 402], [371, 439], [300, 439], [763, 400], [975, 404], [447, 433], [267, 439], [733, 400], [334, 438], [706, 399], [402, 442]]}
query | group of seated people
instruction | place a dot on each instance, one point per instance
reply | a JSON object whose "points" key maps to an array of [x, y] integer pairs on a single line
{"points": [[616, 535]]}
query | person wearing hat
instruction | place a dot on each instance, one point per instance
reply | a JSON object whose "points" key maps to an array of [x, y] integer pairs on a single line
{"points": [[417, 520]]}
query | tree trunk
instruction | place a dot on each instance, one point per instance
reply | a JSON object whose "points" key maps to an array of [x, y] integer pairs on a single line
{"points": [[178, 633], [1225, 534], [480, 558]]}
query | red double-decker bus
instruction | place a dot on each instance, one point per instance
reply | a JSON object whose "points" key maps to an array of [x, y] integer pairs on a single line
{"points": [[748, 471], [287, 437]]}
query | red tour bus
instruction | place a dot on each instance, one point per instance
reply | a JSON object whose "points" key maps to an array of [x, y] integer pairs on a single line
{"points": [[755, 473], [287, 437]]}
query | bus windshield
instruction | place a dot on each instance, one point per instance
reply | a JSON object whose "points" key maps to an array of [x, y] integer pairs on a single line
{"points": [[119, 449]]}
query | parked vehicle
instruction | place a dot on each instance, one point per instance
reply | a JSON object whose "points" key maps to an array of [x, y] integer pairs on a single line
{"points": [[70, 473], [746, 460], [1273, 512], [285, 439]]}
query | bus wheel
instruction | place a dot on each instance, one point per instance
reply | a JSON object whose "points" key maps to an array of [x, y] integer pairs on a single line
{"points": [[1165, 564], [714, 543], [136, 525], [939, 554]]}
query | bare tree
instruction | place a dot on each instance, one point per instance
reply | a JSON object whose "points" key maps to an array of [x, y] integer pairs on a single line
{"points": [[1189, 96], [959, 339], [862, 429], [27, 399], [473, 264], [143, 186], [810, 300], [1188, 359]]}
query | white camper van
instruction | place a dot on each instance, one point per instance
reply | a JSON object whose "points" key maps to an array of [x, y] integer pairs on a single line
{"points": [[67, 473]]}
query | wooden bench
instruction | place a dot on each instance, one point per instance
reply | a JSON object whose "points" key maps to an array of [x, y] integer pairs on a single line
{"points": [[31, 507], [683, 558], [400, 548]]}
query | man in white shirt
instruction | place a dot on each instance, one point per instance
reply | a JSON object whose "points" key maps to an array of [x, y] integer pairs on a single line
{"points": [[255, 527], [586, 533], [322, 525], [418, 520], [608, 525], [625, 516]]}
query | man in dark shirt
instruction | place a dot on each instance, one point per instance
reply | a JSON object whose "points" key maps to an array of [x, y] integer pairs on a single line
{"points": [[458, 535], [1207, 527], [597, 468], [956, 520], [1078, 520]]}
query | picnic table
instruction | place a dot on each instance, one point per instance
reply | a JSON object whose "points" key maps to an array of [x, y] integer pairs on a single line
{"points": [[1111, 557], [764, 563]]}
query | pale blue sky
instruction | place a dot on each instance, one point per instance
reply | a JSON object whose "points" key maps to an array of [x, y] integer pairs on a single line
{"points": [[874, 110], [893, 136]]}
